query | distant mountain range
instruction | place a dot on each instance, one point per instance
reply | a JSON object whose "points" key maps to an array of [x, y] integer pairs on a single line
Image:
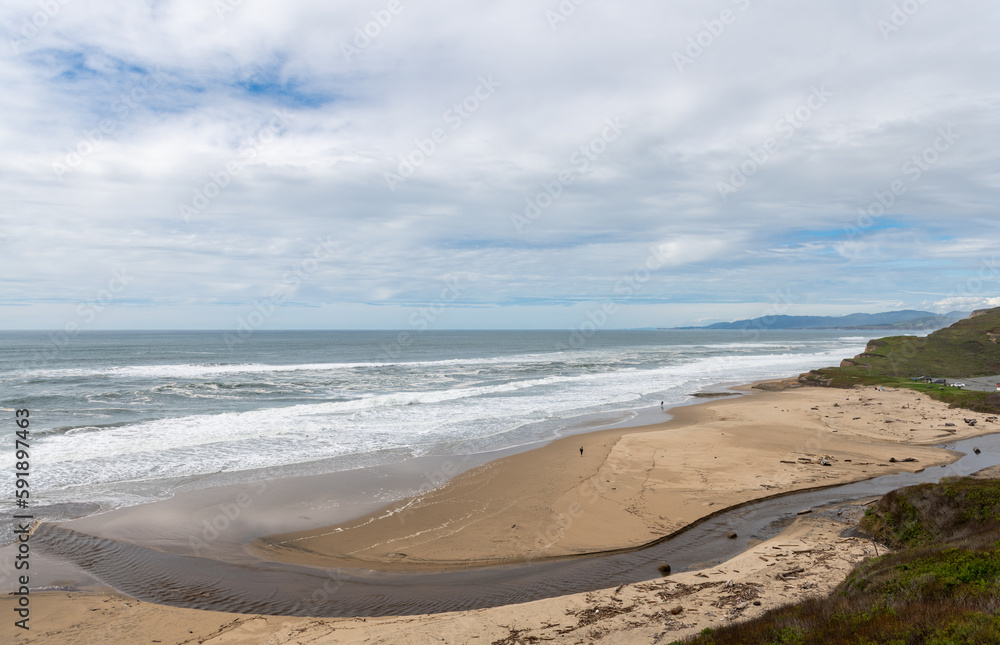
{"points": [[906, 319]]}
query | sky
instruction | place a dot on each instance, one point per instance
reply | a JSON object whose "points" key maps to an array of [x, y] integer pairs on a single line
{"points": [[391, 164]]}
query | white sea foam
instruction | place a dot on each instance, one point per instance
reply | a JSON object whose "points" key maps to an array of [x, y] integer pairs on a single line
{"points": [[450, 415], [208, 370], [196, 371]]}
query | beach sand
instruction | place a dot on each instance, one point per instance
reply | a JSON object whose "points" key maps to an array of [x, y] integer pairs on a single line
{"points": [[635, 485], [807, 559], [630, 486]]}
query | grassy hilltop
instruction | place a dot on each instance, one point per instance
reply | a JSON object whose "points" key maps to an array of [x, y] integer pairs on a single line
{"points": [[968, 348]]}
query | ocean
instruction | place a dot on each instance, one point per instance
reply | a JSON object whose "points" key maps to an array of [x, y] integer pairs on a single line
{"points": [[122, 418]]}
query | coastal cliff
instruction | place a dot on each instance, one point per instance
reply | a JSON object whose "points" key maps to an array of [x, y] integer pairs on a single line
{"points": [[966, 349]]}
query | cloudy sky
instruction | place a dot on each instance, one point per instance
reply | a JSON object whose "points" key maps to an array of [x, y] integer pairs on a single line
{"points": [[519, 164]]}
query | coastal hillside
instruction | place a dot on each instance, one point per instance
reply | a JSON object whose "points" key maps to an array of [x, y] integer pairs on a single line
{"points": [[966, 349], [940, 585]]}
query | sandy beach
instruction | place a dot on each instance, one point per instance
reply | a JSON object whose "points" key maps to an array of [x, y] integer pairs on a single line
{"points": [[808, 559], [628, 487], [633, 486]]}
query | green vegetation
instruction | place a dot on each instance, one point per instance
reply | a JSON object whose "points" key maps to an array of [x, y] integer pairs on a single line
{"points": [[953, 509], [942, 587], [968, 348]]}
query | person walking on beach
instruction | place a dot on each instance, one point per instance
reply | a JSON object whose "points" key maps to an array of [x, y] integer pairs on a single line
{"points": [[581, 451], [661, 405]]}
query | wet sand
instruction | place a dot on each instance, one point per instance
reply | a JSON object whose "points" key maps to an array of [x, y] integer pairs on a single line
{"points": [[814, 548]]}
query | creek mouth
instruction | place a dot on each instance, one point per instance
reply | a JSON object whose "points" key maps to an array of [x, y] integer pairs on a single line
{"points": [[281, 589]]}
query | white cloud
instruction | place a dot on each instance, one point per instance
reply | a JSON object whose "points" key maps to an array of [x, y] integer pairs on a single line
{"points": [[802, 223], [966, 303]]}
